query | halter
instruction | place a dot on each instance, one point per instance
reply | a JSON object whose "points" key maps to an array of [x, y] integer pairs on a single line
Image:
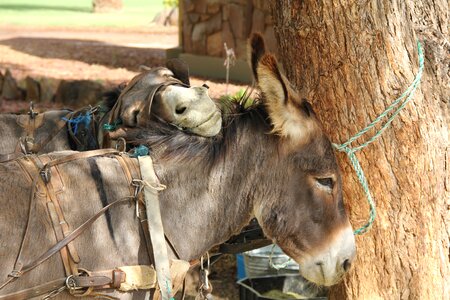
{"points": [[104, 140]]}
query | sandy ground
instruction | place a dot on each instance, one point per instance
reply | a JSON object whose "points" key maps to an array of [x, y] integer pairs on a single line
{"points": [[110, 56], [107, 56]]}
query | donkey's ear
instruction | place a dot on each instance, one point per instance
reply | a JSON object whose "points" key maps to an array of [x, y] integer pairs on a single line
{"points": [[257, 49], [291, 116], [180, 69]]}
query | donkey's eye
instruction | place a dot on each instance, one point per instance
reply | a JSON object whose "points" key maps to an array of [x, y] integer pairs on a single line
{"points": [[327, 181]]}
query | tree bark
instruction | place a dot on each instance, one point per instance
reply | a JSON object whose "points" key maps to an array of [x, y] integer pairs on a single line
{"points": [[351, 59]]}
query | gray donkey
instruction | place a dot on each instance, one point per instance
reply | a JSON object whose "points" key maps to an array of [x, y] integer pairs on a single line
{"points": [[272, 161]]}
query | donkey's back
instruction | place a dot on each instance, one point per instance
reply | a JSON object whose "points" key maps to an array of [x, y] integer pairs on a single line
{"points": [[34, 133], [70, 193]]}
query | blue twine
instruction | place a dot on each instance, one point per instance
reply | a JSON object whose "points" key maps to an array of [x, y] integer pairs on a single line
{"points": [[169, 292], [81, 119], [112, 126], [350, 151], [140, 150]]}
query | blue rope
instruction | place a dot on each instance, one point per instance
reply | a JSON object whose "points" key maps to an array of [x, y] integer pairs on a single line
{"points": [[81, 119], [169, 292], [112, 126], [140, 150], [345, 147]]}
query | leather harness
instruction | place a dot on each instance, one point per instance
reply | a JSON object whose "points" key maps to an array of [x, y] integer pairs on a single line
{"points": [[43, 173], [27, 144]]}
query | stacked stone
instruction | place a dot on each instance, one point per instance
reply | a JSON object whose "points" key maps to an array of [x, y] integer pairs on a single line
{"points": [[208, 24], [70, 93]]}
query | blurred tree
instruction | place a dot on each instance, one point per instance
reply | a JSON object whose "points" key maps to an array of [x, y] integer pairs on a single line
{"points": [[352, 59]]}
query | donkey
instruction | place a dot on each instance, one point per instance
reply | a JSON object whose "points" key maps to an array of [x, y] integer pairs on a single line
{"points": [[272, 161], [160, 93]]}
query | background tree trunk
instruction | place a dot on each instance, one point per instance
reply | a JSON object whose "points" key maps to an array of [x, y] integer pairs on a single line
{"points": [[352, 59], [103, 6]]}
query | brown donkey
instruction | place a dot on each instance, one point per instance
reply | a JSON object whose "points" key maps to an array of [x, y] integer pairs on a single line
{"points": [[158, 93], [288, 179]]}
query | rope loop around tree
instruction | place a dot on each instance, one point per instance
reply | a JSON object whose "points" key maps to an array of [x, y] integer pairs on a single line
{"points": [[346, 147]]}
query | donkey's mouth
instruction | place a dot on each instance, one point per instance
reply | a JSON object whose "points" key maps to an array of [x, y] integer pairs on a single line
{"points": [[210, 127]]}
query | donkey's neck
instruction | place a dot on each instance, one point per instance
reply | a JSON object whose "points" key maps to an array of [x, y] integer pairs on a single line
{"points": [[206, 203]]}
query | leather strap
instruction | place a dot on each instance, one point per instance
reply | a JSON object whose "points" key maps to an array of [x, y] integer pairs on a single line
{"points": [[35, 291], [19, 268], [69, 254], [73, 235], [151, 188], [104, 138], [108, 279], [10, 156]]}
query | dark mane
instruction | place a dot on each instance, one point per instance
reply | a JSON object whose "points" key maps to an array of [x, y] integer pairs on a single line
{"points": [[110, 97], [169, 142]]}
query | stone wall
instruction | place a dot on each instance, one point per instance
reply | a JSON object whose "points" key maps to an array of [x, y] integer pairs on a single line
{"points": [[208, 24]]}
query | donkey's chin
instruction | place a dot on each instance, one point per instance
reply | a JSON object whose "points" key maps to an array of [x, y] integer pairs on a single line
{"points": [[209, 127], [328, 266], [319, 277]]}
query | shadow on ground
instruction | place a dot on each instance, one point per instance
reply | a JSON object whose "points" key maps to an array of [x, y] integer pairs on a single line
{"points": [[88, 51]]}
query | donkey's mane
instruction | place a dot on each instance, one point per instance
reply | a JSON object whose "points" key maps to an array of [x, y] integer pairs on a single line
{"points": [[110, 97], [171, 143]]}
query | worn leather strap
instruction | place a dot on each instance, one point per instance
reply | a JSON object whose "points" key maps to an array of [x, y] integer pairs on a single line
{"points": [[151, 188], [73, 235], [79, 155], [108, 279], [35, 291], [60, 225], [19, 268], [10, 156]]}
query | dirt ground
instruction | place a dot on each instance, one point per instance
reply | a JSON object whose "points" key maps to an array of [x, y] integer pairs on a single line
{"points": [[110, 56]]}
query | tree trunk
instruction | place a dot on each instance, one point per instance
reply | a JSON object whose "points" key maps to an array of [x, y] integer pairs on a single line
{"points": [[105, 6], [351, 59]]}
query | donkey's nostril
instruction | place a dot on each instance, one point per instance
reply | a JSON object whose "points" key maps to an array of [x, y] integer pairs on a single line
{"points": [[180, 110], [346, 265]]}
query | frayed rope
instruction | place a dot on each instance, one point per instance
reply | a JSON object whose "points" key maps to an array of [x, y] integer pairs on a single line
{"points": [[81, 119]]}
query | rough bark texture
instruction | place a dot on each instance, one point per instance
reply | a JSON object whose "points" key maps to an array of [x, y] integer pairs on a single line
{"points": [[352, 59]]}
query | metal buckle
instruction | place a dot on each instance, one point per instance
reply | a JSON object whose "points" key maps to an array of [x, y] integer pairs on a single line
{"points": [[26, 144], [15, 274], [76, 290], [46, 174], [31, 111], [121, 145], [138, 187], [205, 289]]}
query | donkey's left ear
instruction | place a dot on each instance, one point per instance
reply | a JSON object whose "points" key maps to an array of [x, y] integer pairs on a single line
{"points": [[291, 116], [180, 69]]}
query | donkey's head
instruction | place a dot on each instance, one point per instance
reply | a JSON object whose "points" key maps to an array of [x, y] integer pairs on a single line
{"points": [[165, 93], [306, 218]]}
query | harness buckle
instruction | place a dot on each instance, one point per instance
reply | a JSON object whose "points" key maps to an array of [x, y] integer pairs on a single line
{"points": [[31, 111], [15, 273], [73, 287], [26, 144], [46, 174], [138, 187]]}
